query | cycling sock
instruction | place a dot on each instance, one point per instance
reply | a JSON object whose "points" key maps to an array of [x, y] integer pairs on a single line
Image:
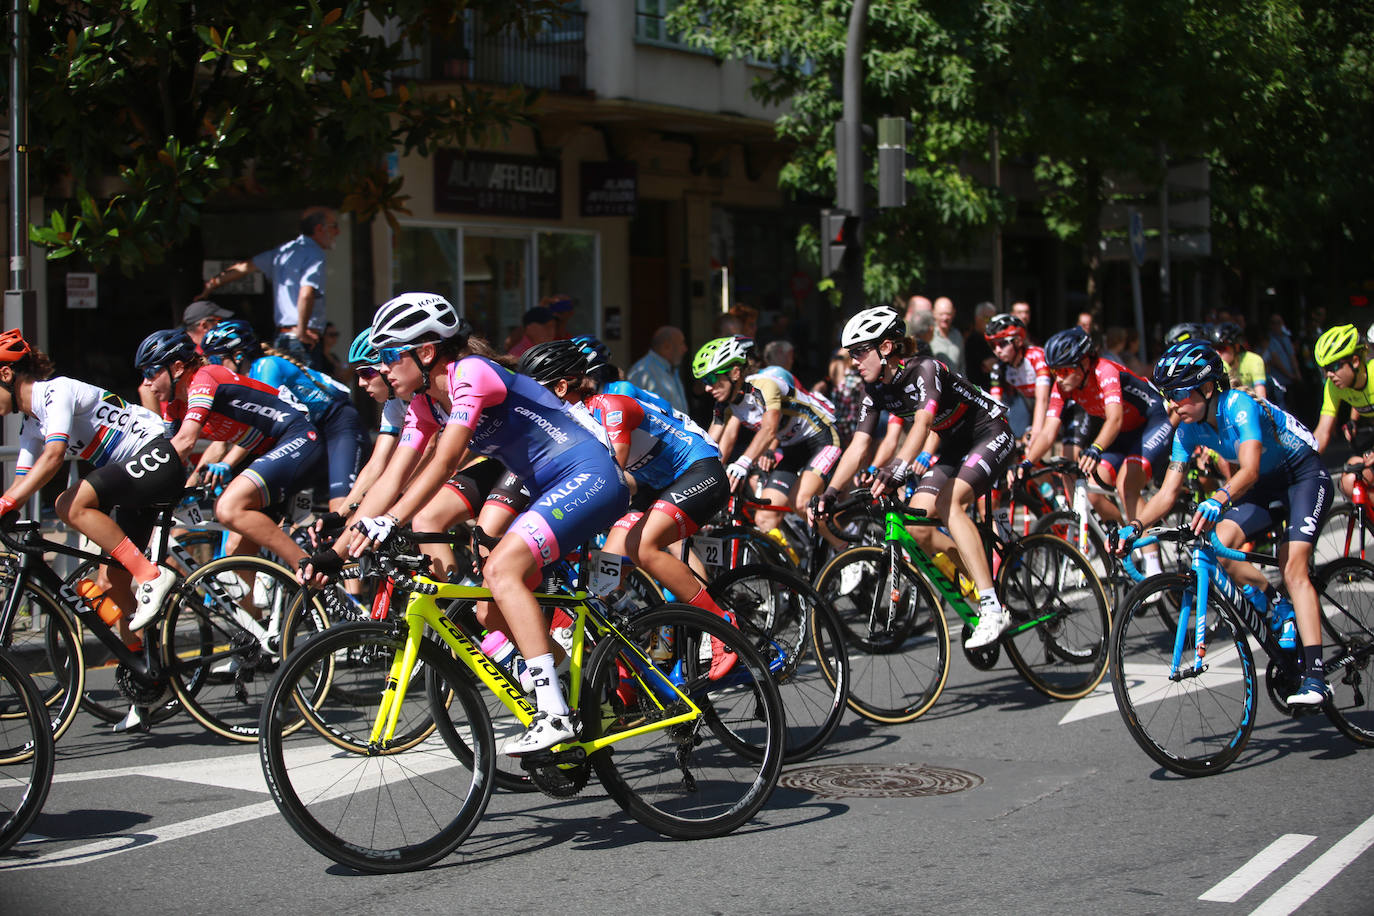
{"points": [[548, 695], [132, 559], [704, 601], [987, 601], [1312, 662]]}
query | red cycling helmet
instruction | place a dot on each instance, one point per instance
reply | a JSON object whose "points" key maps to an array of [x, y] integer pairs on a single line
{"points": [[13, 346]]}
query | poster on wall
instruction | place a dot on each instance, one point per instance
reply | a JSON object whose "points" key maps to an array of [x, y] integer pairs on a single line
{"points": [[609, 188], [493, 184]]}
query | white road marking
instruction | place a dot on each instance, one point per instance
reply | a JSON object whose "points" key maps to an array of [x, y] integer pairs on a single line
{"points": [[1241, 881], [1316, 876]]}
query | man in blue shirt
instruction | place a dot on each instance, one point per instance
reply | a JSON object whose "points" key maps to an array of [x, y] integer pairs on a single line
{"points": [[296, 270], [657, 371]]}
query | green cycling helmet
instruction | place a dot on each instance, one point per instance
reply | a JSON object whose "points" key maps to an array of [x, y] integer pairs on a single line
{"points": [[1336, 344], [720, 354], [361, 352]]}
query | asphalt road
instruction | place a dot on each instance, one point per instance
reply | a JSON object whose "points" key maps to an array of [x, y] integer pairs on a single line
{"points": [[1047, 808]]}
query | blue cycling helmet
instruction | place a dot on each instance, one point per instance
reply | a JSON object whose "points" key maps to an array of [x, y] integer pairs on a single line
{"points": [[361, 352], [1186, 365], [162, 348], [229, 338], [1065, 349]]}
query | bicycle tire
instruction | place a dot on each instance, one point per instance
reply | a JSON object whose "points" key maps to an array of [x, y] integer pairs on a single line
{"points": [[26, 752], [898, 675], [699, 779], [1347, 603], [1064, 657], [52, 655], [217, 664], [800, 636], [378, 811], [1195, 726]]}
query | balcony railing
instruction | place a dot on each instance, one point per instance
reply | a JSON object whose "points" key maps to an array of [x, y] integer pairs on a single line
{"points": [[555, 58]]}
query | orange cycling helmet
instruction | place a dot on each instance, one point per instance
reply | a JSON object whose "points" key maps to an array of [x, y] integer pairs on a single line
{"points": [[13, 346]]}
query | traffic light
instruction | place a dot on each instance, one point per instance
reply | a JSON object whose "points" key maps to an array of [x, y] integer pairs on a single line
{"points": [[839, 235]]}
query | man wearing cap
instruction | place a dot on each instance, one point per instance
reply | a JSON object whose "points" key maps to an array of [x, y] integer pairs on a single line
{"points": [[296, 270], [540, 326]]}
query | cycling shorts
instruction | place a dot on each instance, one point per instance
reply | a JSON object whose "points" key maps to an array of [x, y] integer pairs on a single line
{"points": [[690, 501], [817, 454], [1148, 444], [475, 481], [980, 458], [1305, 489], [341, 431], [289, 464], [573, 510]]}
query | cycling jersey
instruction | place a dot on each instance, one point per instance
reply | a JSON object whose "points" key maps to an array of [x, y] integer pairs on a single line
{"points": [[1032, 373], [803, 417], [660, 447], [234, 408], [1284, 441], [1362, 399], [1110, 383], [307, 390], [924, 383], [95, 425]]}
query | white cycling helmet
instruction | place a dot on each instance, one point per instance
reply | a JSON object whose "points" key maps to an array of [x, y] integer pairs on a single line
{"points": [[872, 325], [412, 317]]}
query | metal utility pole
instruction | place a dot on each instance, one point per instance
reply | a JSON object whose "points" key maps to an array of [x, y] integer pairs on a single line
{"points": [[849, 168]]}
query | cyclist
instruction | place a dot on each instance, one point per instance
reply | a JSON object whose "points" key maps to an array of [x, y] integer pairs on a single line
{"points": [[949, 415], [1131, 444], [776, 410], [1341, 356], [1275, 460], [325, 401], [674, 472], [223, 406], [1020, 367], [576, 486], [135, 466], [1245, 367]]}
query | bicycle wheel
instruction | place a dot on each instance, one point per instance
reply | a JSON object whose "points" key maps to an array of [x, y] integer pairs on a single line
{"points": [[221, 640], [26, 752], [701, 778], [799, 634], [383, 809], [46, 645], [1059, 618], [1347, 603], [897, 639], [1194, 725]]}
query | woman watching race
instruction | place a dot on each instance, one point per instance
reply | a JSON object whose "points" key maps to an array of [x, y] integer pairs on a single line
{"points": [[950, 417], [1275, 461]]}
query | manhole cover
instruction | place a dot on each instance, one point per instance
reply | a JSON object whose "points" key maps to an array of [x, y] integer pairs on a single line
{"points": [[874, 780]]}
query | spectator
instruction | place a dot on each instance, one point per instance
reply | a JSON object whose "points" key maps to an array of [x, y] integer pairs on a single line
{"points": [[561, 305], [539, 326], [978, 358], [948, 343], [296, 270], [657, 371], [779, 353], [200, 316]]}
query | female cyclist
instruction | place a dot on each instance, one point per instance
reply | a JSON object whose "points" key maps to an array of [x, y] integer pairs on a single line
{"points": [[135, 466], [950, 416], [219, 404], [1275, 460], [326, 402], [576, 486], [673, 470]]}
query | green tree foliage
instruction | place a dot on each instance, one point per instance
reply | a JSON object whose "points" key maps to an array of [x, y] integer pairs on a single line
{"points": [[1275, 94], [142, 111]]}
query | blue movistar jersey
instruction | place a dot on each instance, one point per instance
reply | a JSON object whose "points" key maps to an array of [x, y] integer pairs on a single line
{"points": [[1284, 441], [312, 390]]}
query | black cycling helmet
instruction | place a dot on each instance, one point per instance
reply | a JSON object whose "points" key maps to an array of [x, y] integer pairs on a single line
{"points": [[1186, 365], [1065, 349], [552, 360], [229, 338], [162, 348], [1186, 330], [1228, 333]]}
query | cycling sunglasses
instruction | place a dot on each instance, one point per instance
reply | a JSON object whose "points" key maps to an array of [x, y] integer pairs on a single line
{"points": [[367, 373], [392, 355]]}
